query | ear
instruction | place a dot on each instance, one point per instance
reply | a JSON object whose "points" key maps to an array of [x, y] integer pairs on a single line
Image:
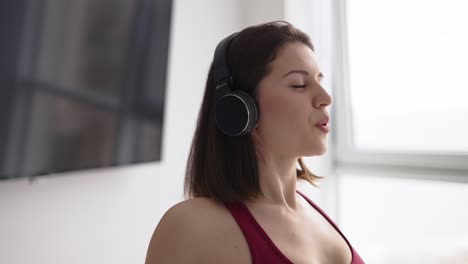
{"points": [[254, 133]]}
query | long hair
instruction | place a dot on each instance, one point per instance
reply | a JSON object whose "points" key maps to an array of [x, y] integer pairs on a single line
{"points": [[226, 168]]}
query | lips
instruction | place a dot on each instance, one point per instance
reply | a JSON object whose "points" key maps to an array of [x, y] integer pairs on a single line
{"points": [[323, 124]]}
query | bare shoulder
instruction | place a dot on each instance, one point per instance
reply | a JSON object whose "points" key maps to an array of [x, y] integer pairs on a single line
{"points": [[199, 230]]}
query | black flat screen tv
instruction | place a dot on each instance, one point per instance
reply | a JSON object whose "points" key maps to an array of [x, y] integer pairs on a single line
{"points": [[82, 84]]}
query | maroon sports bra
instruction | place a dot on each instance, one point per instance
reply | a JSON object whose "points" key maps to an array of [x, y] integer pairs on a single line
{"points": [[262, 248]]}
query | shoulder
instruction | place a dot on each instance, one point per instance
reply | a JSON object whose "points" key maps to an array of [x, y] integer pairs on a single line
{"points": [[200, 212], [178, 234], [207, 205]]}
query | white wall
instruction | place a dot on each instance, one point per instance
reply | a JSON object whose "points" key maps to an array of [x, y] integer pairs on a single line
{"points": [[107, 216]]}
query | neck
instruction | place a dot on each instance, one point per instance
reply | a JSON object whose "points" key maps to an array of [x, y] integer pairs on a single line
{"points": [[278, 179]]}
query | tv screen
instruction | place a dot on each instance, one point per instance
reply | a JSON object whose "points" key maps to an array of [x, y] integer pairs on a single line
{"points": [[82, 84]]}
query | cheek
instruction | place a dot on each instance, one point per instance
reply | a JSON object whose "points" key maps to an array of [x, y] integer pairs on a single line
{"points": [[280, 112]]}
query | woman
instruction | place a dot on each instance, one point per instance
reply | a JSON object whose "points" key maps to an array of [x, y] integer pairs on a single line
{"points": [[263, 110]]}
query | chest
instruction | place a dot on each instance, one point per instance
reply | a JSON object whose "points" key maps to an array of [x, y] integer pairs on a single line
{"points": [[308, 241], [307, 237]]}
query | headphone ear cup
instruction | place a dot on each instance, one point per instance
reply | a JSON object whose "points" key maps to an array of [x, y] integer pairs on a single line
{"points": [[236, 113], [252, 109]]}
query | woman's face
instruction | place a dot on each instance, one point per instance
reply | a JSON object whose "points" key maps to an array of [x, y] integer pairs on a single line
{"points": [[292, 102]]}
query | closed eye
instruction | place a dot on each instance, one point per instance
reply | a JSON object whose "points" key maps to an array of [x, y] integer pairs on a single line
{"points": [[299, 86]]}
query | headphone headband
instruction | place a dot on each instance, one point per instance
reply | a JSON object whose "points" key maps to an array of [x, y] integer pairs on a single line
{"points": [[221, 71]]}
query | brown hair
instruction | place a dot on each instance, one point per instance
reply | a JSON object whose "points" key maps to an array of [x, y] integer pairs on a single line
{"points": [[222, 167]]}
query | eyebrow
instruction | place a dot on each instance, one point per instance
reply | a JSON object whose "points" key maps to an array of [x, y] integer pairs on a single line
{"points": [[303, 72]]}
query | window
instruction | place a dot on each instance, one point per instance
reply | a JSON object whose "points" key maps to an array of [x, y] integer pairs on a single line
{"points": [[403, 90], [402, 220], [401, 151], [407, 62]]}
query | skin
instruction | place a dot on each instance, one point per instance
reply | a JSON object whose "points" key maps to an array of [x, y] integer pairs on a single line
{"points": [[201, 230], [286, 129]]}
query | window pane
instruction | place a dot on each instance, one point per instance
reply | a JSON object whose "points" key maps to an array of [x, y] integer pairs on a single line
{"points": [[408, 75], [405, 221]]}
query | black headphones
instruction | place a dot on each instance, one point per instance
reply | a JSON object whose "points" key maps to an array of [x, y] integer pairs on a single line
{"points": [[236, 112]]}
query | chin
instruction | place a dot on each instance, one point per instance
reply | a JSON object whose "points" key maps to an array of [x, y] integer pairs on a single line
{"points": [[315, 147], [317, 151], [322, 152]]}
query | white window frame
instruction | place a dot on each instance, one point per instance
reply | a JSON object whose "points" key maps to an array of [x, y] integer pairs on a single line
{"points": [[347, 158]]}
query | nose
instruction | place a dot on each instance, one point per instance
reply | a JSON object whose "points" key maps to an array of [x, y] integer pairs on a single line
{"points": [[322, 99]]}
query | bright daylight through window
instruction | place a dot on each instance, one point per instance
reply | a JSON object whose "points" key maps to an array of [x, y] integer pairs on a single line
{"points": [[408, 75]]}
